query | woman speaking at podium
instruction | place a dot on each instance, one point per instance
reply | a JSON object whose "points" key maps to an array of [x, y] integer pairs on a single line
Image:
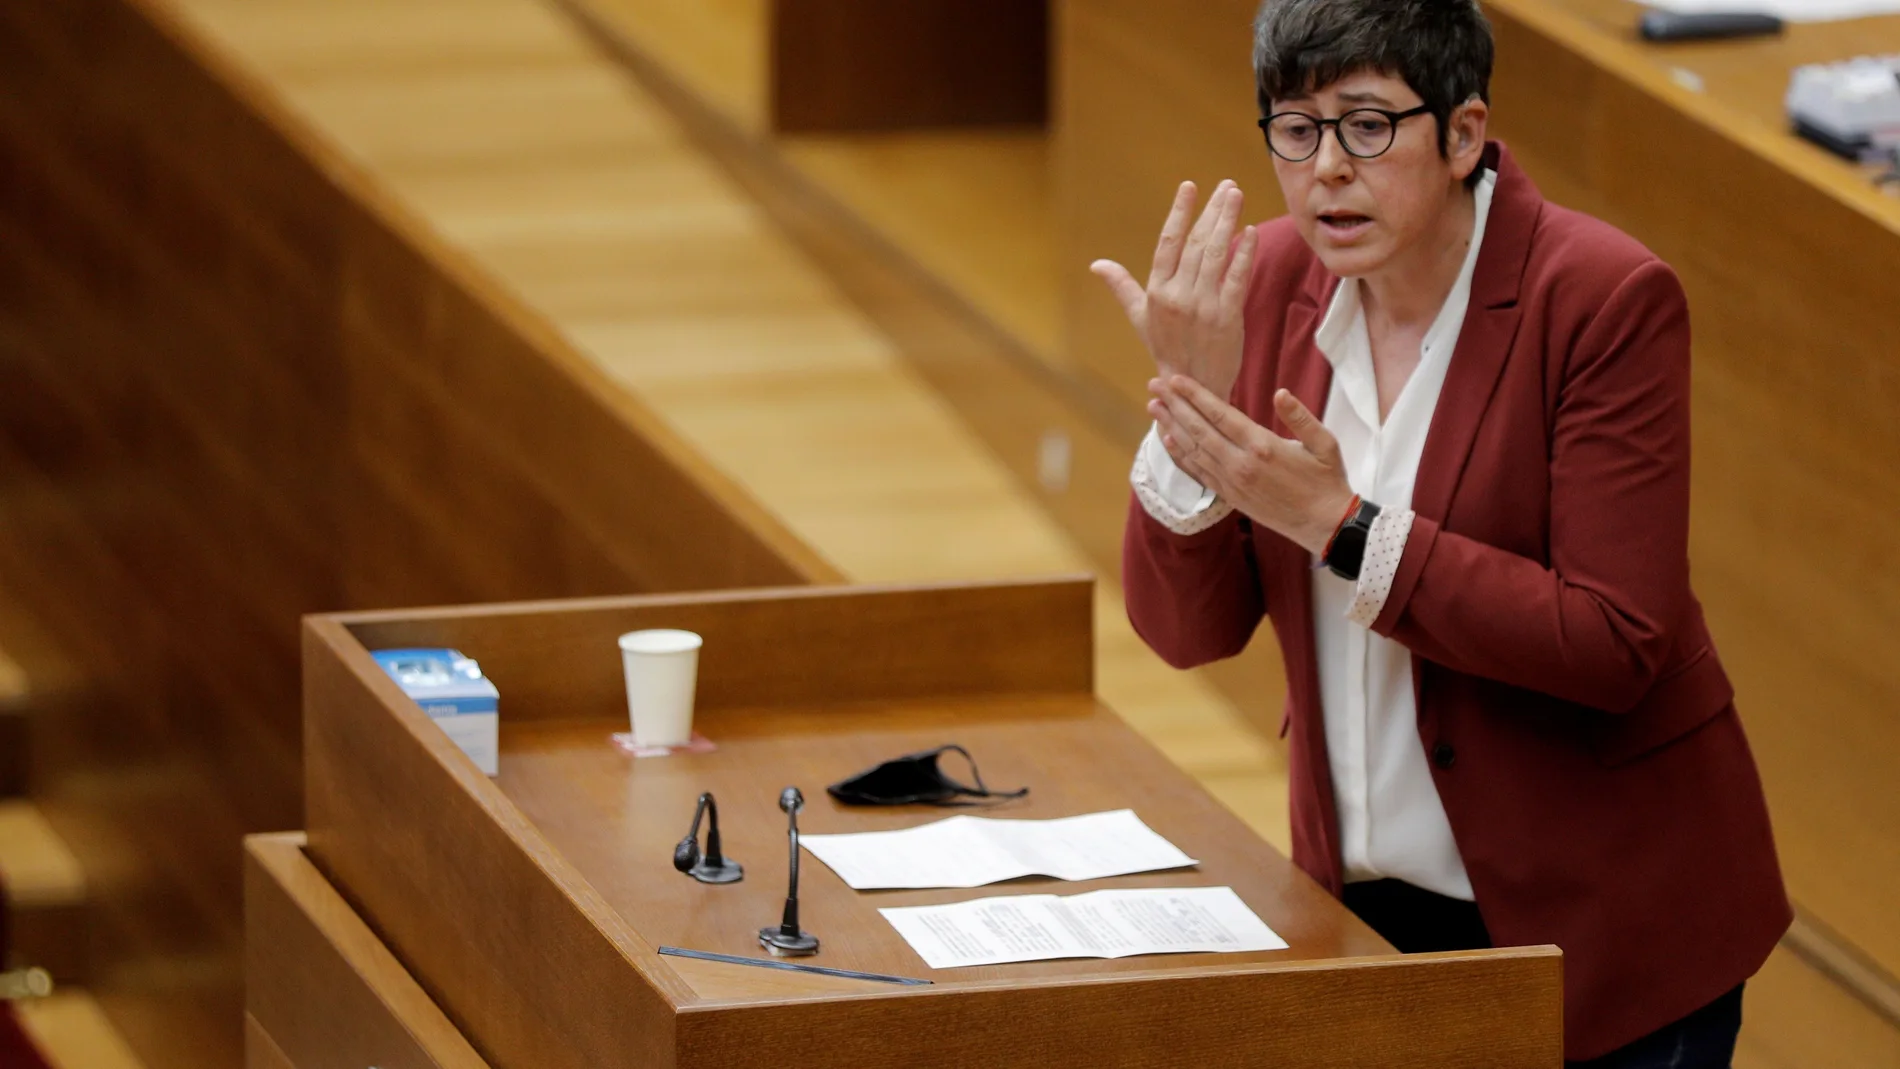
{"points": [[1437, 430]]}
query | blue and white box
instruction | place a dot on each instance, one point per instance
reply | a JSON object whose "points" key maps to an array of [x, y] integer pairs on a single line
{"points": [[451, 689]]}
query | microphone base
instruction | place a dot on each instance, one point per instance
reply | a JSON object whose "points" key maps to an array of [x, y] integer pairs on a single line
{"points": [[727, 871], [781, 945]]}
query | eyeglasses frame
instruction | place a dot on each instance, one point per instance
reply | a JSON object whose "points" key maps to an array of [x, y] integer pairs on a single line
{"points": [[1393, 117]]}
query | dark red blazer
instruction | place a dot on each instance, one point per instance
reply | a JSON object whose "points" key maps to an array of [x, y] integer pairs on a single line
{"points": [[1580, 728]]}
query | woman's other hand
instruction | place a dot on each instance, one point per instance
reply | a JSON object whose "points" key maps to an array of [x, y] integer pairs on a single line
{"points": [[1294, 486]]}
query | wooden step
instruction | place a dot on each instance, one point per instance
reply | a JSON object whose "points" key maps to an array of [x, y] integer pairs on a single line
{"points": [[74, 1033], [46, 895], [1794, 1016]]}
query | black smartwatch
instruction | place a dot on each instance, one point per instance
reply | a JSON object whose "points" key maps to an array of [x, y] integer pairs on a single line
{"points": [[1348, 549]]}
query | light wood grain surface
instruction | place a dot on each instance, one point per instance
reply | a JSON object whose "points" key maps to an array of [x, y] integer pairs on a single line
{"points": [[618, 820]]}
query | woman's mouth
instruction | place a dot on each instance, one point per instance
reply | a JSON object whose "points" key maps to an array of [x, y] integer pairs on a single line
{"points": [[1344, 226]]}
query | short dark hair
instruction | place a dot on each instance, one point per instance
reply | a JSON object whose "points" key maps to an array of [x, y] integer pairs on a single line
{"points": [[1441, 48]]}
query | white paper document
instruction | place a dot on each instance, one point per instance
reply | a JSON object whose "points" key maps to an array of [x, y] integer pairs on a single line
{"points": [[1099, 924], [1786, 10], [968, 851]]}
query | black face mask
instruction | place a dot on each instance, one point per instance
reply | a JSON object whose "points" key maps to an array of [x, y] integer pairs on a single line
{"points": [[915, 778]]}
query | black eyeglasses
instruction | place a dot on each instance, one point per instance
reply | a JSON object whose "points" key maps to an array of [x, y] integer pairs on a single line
{"points": [[1363, 132]]}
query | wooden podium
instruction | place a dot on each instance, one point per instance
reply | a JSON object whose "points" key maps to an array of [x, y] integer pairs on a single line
{"points": [[516, 919]]}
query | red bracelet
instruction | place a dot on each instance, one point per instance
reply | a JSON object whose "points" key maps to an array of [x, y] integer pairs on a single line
{"points": [[1351, 511]]}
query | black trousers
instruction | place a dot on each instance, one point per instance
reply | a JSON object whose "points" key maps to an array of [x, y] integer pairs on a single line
{"points": [[1417, 921]]}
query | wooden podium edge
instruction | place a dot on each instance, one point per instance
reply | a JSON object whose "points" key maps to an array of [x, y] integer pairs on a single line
{"points": [[1501, 1008], [776, 646], [319, 985]]}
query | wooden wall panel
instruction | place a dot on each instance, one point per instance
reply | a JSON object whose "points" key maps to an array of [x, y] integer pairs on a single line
{"points": [[237, 385], [841, 65]]}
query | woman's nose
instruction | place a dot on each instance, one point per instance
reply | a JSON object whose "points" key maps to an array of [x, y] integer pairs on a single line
{"points": [[1331, 163]]}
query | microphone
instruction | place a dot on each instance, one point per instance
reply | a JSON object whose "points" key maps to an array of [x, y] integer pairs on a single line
{"points": [[714, 867], [788, 940]]}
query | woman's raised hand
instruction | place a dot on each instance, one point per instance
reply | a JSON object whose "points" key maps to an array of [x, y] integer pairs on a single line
{"points": [[1189, 314]]}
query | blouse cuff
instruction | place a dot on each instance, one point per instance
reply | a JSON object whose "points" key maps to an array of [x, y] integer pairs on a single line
{"points": [[1171, 496], [1385, 547]]}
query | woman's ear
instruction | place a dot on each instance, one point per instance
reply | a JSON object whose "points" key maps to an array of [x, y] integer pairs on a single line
{"points": [[1466, 136]]}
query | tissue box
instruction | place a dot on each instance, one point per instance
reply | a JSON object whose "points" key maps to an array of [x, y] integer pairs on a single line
{"points": [[452, 690]]}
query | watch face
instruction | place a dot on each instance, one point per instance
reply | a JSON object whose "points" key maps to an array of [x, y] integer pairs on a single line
{"points": [[1351, 543], [1349, 549]]}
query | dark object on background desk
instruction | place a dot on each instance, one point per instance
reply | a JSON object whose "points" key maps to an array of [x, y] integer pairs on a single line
{"points": [[713, 866], [1676, 26], [915, 778], [788, 939], [1857, 150], [768, 963]]}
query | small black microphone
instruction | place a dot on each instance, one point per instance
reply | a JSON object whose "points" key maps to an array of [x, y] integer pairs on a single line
{"points": [[788, 940], [714, 867]]}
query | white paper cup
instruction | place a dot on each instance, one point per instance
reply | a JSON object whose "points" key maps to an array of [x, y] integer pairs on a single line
{"points": [[661, 667]]}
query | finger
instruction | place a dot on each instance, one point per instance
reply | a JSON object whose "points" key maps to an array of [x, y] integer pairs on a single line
{"points": [[1190, 464], [1307, 428], [1128, 293], [1226, 420], [1220, 245], [1239, 278], [1179, 447], [1173, 232], [1219, 450], [1191, 253]]}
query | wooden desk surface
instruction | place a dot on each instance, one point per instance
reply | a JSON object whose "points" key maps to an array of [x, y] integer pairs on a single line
{"points": [[618, 819], [1739, 86], [1749, 74]]}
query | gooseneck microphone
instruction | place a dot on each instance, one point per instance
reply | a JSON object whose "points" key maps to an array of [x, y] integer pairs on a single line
{"points": [[788, 940], [714, 867]]}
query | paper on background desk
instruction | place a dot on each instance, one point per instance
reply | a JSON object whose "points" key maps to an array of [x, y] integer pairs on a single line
{"points": [[1099, 924], [1786, 10], [967, 851]]}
